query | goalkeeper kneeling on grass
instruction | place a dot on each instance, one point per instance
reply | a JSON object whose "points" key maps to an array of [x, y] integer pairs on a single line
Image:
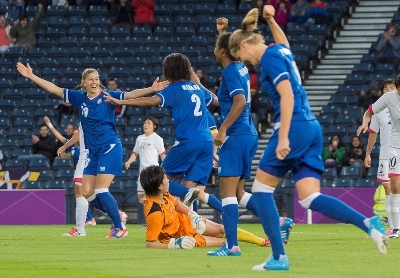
{"points": [[173, 224]]}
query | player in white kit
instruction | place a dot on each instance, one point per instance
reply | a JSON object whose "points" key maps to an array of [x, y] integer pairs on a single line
{"points": [[391, 102], [381, 123], [148, 147]]}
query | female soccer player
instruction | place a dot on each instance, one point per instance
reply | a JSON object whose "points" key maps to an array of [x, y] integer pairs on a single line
{"points": [[148, 147], [82, 205], [381, 123], [104, 159], [171, 222], [192, 153], [389, 102], [296, 143], [237, 138]]}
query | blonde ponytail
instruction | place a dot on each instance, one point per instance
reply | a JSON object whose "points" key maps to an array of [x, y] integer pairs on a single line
{"points": [[249, 22]]}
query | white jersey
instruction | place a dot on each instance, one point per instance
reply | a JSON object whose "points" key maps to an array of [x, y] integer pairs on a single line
{"points": [[391, 101], [380, 122], [82, 149], [149, 148]]}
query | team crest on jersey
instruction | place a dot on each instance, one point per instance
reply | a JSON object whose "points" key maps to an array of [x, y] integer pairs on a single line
{"points": [[99, 101], [87, 161], [102, 168], [85, 110]]}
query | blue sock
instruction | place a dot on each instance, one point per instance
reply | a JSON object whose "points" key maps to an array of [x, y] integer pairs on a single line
{"points": [[214, 202], [269, 217], [230, 219], [195, 205], [108, 201], [336, 209], [89, 215], [252, 206], [97, 204], [177, 190]]}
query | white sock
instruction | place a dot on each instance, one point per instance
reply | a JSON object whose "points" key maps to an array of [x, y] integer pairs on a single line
{"points": [[82, 206], [395, 210], [389, 216]]}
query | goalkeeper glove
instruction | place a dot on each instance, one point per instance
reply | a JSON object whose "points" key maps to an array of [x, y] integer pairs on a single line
{"points": [[184, 242], [197, 222]]}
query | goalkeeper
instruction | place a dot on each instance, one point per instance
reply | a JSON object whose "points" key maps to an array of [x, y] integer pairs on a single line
{"points": [[173, 224]]}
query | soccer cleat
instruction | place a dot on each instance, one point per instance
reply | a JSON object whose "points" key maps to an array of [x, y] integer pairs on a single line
{"points": [[90, 222], [376, 231], [389, 231], [123, 216], [272, 264], [74, 232], [224, 251], [395, 233], [117, 233], [286, 226], [191, 196]]}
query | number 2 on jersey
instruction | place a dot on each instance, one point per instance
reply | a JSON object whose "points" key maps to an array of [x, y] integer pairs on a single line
{"points": [[197, 100]]}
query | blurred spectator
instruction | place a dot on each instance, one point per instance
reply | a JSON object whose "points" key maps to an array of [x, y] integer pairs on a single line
{"points": [[282, 14], [363, 99], [17, 3], [144, 12], [43, 145], [259, 4], [64, 108], [355, 154], [203, 78], [255, 96], [298, 11], [374, 92], [89, 3], [121, 13], [276, 3], [44, 3], [317, 13], [3, 6], [69, 132], [333, 153], [388, 46], [24, 32], [4, 34], [113, 85]]}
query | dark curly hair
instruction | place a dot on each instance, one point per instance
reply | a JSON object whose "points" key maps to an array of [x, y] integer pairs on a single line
{"points": [[176, 66], [223, 43], [150, 178]]}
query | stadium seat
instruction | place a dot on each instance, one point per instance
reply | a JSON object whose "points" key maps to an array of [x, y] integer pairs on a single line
{"points": [[329, 173], [57, 22], [225, 10], [331, 109], [16, 132], [63, 163], [162, 31], [166, 21], [72, 72], [15, 164], [367, 182], [55, 32], [141, 72], [335, 129], [55, 184], [158, 112], [98, 10], [345, 120], [77, 11], [163, 9], [90, 41], [5, 123], [9, 143], [91, 62], [123, 51], [79, 52], [119, 32], [12, 93], [132, 41], [23, 123], [384, 68], [157, 71], [29, 103], [64, 174], [120, 122], [133, 131], [146, 51], [353, 172], [326, 119], [135, 61], [293, 28], [128, 142], [121, 72], [109, 42], [206, 30], [79, 21], [136, 82], [19, 113], [31, 185], [55, 11], [343, 182], [185, 31], [133, 112], [287, 183], [317, 29], [38, 164], [67, 82], [77, 31], [372, 172], [46, 175], [100, 21]]}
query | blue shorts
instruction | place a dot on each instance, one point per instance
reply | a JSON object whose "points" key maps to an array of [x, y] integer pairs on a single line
{"points": [[194, 160], [306, 152], [106, 160], [236, 156]]}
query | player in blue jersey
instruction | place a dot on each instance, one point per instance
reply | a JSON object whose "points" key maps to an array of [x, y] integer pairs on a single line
{"points": [[192, 153], [296, 143], [104, 159], [237, 138]]}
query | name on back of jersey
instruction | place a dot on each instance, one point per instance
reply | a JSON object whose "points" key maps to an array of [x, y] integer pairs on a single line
{"points": [[190, 87], [243, 71]]}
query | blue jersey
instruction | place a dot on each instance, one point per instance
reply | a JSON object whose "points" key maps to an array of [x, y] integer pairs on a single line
{"points": [[236, 80], [278, 64], [97, 117], [188, 102]]}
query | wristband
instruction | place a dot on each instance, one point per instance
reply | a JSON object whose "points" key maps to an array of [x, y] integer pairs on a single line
{"points": [[50, 126]]}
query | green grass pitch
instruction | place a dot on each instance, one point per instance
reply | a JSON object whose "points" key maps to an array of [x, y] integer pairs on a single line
{"points": [[314, 251]]}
